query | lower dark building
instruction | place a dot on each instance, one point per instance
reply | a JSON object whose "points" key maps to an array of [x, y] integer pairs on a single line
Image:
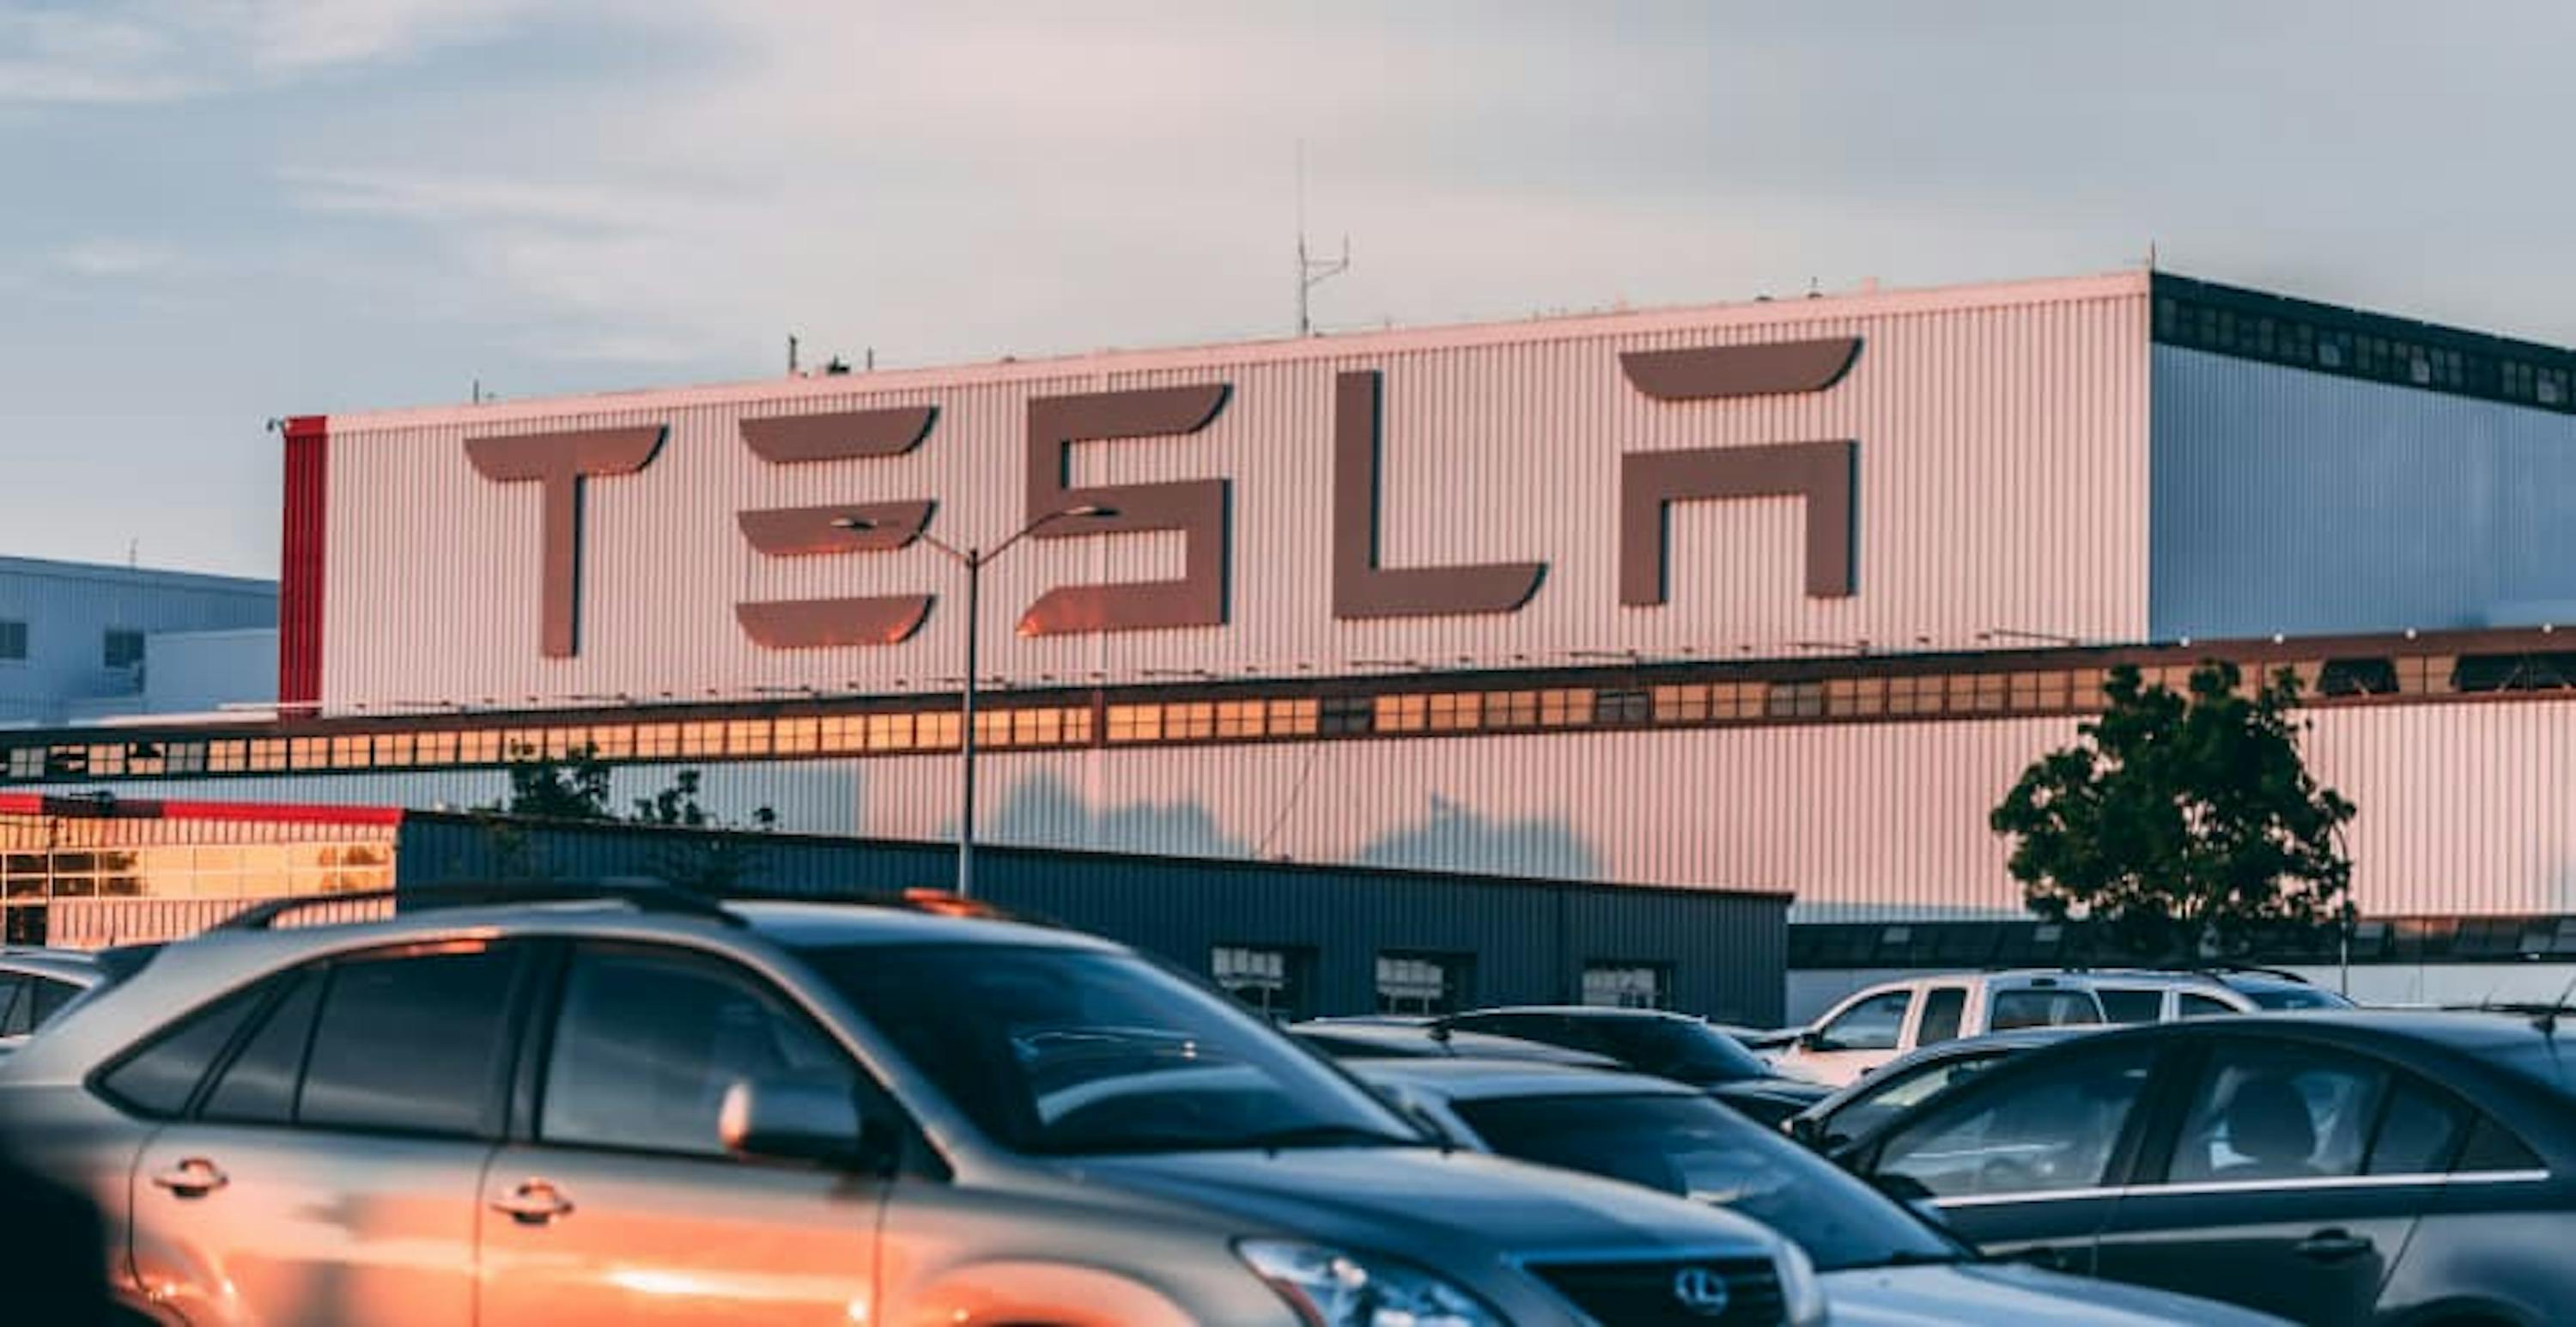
{"points": [[1293, 940]]}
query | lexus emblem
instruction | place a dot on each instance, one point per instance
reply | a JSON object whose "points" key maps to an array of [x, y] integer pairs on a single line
{"points": [[1701, 1291]]}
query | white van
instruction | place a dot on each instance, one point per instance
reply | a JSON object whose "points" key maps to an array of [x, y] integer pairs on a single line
{"points": [[1885, 1021]]}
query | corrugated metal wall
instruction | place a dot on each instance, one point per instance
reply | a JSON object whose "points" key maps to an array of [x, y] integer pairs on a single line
{"points": [[69, 607], [2306, 504], [1531, 941], [2002, 481], [2463, 805]]}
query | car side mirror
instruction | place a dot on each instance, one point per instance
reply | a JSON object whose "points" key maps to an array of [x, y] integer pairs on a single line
{"points": [[1813, 1040], [1806, 1129], [800, 1122]]}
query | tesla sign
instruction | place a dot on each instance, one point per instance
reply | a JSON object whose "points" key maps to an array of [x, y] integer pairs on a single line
{"points": [[564, 468]]}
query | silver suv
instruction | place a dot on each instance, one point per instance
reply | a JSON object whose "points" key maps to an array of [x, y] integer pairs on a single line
{"points": [[657, 1109]]}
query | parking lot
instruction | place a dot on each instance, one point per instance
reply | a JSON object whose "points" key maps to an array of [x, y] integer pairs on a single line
{"points": [[619, 1101]]}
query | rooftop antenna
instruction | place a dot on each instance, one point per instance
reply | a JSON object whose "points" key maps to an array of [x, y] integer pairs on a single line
{"points": [[791, 354], [1312, 272], [133, 551]]}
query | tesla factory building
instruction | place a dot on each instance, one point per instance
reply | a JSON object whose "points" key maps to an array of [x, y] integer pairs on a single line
{"points": [[1777, 596]]}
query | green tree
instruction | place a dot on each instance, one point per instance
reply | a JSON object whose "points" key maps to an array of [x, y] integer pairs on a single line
{"points": [[2182, 826], [576, 787], [544, 788]]}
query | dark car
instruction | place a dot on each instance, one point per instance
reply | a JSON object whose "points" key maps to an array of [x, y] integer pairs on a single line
{"points": [[2331, 1167], [1879, 1263], [1911, 1080], [1666, 1045]]}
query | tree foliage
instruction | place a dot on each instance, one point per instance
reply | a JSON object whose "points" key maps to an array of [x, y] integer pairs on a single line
{"points": [[576, 787], [2182, 826]]}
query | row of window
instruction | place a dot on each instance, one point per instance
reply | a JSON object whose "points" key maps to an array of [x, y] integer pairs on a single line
{"points": [[1279, 981], [1251, 719], [1964, 945], [2363, 346], [118, 647]]}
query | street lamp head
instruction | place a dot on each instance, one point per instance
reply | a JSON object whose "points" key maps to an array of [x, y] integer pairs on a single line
{"points": [[853, 524], [1089, 511]]}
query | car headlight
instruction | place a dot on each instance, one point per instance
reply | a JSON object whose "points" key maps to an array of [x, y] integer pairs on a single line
{"points": [[1802, 1296], [1332, 1288]]}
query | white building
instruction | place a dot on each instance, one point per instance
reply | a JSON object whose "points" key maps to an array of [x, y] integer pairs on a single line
{"points": [[1777, 596]]}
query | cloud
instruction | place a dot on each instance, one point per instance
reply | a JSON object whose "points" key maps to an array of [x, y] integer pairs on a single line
{"points": [[105, 52], [90, 57], [289, 35], [108, 257]]}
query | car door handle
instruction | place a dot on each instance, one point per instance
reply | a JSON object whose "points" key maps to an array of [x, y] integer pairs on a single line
{"points": [[534, 1203], [193, 1178], [2336, 1245]]}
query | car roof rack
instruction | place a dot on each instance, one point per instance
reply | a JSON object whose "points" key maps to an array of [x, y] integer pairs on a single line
{"points": [[643, 893]]}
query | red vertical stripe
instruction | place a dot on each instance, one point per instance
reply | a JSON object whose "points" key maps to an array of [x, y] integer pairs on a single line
{"points": [[299, 625]]}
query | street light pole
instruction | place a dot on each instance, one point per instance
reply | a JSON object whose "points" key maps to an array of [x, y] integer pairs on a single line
{"points": [[973, 560]]}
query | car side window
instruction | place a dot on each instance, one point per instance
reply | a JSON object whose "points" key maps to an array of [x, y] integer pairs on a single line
{"points": [[2036, 1008], [2053, 1127], [1875, 1024], [50, 997], [649, 1041], [258, 1087], [413, 1041], [2267, 1111], [1895, 1096], [17, 1008], [2129, 1005], [2202, 1006], [2419, 1131], [159, 1078], [2493, 1148], [1943, 1007]]}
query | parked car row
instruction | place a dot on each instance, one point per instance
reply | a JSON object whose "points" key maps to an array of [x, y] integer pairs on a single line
{"points": [[634, 1103], [637, 1104]]}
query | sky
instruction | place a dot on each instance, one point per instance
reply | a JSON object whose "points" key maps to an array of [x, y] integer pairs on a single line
{"points": [[214, 213]]}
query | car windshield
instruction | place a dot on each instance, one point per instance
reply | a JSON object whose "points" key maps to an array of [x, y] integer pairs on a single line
{"points": [[1681, 1049], [1075, 1052], [1695, 1147]]}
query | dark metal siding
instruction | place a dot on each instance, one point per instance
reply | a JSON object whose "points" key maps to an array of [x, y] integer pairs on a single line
{"points": [[1531, 939]]}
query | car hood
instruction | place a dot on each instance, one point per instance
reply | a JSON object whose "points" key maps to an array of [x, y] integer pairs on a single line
{"points": [[1422, 1202], [2004, 1292]]}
